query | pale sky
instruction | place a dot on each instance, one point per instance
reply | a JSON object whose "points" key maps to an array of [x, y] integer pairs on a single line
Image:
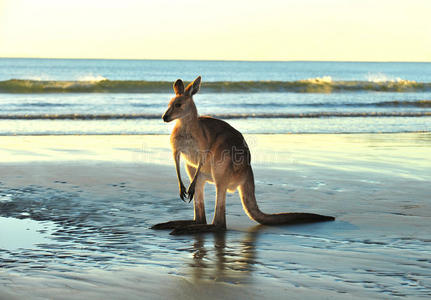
{"points": [[352, 30]]}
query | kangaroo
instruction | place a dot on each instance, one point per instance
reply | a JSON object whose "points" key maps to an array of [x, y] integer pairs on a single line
{"points": [[217, 153]]}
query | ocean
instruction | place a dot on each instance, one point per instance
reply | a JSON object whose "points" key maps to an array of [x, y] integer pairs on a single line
{"points": [[80, 189], [88, 96]]}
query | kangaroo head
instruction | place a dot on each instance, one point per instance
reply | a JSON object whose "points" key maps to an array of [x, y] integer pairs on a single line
{"points": [[182, 104]]}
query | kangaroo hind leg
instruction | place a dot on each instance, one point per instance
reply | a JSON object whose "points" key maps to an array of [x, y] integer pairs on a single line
{"points": [[219, 221], [198, 203]]}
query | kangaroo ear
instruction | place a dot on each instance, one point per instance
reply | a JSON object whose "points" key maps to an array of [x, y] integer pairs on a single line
{"points": [[179, 87], [193, 87]]}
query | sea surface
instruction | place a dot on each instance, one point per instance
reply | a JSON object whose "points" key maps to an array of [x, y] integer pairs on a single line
{"points": [[79, 96]]}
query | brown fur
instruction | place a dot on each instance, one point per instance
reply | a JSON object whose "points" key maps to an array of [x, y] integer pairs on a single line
{"points": [[217, 153]]}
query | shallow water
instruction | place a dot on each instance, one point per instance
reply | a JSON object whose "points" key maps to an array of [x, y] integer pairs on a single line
{"points": [[93, 232], [96, 215], [23, 233]]}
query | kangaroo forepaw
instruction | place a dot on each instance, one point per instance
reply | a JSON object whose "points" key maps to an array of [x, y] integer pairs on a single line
{"points": [[183, 193], [191, 191], [197, 228]]}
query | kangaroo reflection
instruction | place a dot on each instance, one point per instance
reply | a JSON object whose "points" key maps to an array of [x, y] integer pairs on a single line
{"points": [[212, 259]]}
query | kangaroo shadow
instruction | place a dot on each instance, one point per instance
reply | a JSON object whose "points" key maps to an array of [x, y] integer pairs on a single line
{"points": [[216, 259]]}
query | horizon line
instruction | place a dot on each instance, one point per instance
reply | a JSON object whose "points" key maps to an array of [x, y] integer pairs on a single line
{"points": [[219, 60]]}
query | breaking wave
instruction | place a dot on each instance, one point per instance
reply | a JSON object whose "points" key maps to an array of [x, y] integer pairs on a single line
{"points": [[395, 103], [418, 103], [314, 85], [220, 116]]}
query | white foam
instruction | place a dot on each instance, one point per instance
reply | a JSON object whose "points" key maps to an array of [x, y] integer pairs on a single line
{"points": [[91, 78], [5, 198], [380, 77]]}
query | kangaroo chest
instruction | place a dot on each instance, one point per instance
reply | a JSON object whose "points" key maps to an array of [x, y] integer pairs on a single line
{"points": [[187, 145]]}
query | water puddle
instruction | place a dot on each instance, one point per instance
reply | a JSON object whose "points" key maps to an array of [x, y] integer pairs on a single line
{"points": [[23, 233]]}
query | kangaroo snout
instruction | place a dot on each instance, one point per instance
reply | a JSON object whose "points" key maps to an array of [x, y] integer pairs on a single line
{"points": [[166, 117]]}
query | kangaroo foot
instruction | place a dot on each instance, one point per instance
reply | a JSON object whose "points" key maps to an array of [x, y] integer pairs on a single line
{"points": [[197, 228], [173, 224]]}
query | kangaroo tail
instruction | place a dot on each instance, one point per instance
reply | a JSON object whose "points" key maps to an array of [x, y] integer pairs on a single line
{"points": [[248, 199]]}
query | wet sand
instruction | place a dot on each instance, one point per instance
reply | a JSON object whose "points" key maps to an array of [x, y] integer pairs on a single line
{"points": [[75, 213]]}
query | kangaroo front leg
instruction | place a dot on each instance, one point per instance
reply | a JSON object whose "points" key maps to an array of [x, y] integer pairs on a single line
{"points": [[182, 188], [183, 195]]}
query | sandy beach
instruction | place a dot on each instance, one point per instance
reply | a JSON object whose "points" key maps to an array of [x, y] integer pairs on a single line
{"points": [[75, 213]]}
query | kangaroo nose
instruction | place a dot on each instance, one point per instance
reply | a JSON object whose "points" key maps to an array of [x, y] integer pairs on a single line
{"points": [[165, 118]]}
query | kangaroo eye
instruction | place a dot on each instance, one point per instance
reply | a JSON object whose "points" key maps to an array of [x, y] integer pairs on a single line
{"points": [[177, 104]]}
